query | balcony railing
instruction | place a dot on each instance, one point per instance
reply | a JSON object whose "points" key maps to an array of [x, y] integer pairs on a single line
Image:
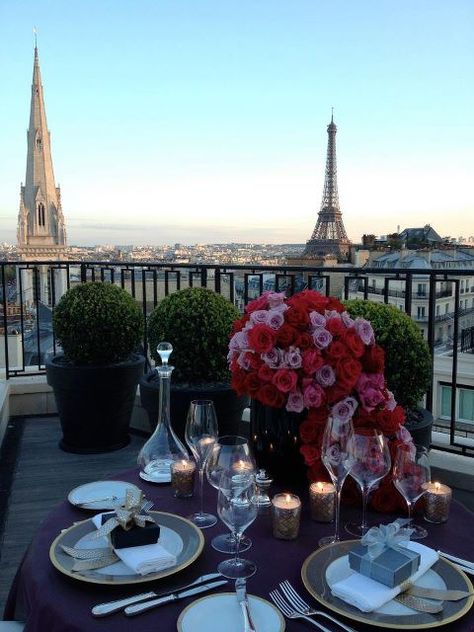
{"points": [[30, 290]]}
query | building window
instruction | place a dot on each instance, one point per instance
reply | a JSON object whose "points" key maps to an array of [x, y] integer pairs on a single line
{"points": [[420, 312], [446, 308], [464, 404], [421, 289], [41, 214]]}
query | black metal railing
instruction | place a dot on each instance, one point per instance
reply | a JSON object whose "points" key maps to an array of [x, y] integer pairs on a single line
{"points": [[30, 290]]}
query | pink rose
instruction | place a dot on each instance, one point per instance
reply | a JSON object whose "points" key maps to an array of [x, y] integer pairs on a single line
{"points": [[275, 299], [295, 403], [313, 395], [347, 320], [274, 318], [273, 357], [293, 358], [259, 316], [365, 331], [244, 360], [322, 337], [344, 410], [326, 376], [317, 319]]}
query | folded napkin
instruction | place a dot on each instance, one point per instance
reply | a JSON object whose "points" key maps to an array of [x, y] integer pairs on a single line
{"points": [[142, 559], [367, 594]]}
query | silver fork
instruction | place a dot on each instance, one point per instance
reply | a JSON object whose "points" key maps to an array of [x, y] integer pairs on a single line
{"points": [[301, 606], [283, 605]]}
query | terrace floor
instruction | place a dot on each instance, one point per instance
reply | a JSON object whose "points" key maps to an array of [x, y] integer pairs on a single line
{"points": [[35, 475]]}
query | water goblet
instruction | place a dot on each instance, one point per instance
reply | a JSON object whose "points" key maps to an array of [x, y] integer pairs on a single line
{"points": [[237, 508], [230, 453], [338, 459], [201, 434], [372, 462], [410, 471]]}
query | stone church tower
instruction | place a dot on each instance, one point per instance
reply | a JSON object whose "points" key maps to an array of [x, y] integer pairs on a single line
{"points": [[41, 229]]}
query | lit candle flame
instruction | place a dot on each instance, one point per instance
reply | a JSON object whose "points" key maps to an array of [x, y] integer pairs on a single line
{"points": [[288, 498], [320, 486], [437, 486]]}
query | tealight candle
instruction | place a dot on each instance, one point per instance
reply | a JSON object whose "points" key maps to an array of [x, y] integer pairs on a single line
{"points": [[242, 467], [322, 498], [437, 499], [182, 478], [286, 513]]}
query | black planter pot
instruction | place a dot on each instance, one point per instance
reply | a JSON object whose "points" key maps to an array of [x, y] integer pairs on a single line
{"points": [[94, 403], [419, 424], [276, 443], [229, 406]]}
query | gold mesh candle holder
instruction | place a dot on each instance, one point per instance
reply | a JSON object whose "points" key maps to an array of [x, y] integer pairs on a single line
{"points": [[322, 497], [286, 514], [182, 478], [437, 501]]}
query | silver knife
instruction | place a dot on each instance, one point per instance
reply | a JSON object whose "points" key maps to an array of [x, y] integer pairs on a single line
{"points": [[422, 605], [436, 593], [138, 608], [241, 591], [457, 560], [109, 607]]}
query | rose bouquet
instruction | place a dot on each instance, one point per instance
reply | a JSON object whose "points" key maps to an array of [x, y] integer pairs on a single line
{"points": [[307, 355]]}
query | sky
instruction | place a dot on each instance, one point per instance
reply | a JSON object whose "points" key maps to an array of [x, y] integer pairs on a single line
{"points": [[203, 121]]}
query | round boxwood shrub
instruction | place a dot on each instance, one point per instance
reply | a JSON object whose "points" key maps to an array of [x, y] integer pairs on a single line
{"points": [[197, 322], [97, 323], [407, 355]]}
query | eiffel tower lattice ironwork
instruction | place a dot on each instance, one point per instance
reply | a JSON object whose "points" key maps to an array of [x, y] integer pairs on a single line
{"points": [[329, 236]]}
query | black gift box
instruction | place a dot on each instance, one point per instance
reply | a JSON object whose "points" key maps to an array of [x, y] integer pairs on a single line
{"points": [[136, 536]]}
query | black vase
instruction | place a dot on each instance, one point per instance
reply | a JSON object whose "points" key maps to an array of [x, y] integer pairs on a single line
{"points": [[94, 402], [276, 443]]}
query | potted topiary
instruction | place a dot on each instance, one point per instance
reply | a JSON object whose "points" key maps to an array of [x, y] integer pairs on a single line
{"points": [[407, 361], [99, 327], [198, 323]]}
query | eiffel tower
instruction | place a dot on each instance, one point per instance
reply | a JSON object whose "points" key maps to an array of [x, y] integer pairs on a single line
{"points": [[329, 236]]}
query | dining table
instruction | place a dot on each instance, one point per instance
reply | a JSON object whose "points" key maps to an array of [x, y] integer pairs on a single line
{"points": [[48, 600]]}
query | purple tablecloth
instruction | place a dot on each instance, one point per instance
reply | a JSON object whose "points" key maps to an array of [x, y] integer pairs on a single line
{"points": [[50, 601]]}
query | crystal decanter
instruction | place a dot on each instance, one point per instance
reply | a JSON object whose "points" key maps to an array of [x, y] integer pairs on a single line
{"points": [[163, 447]]}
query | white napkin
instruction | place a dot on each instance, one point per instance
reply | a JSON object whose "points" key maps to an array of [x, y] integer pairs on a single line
{"points": [[142, 560], [367, 594]]}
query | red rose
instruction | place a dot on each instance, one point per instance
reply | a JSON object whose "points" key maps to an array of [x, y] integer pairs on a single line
{"points": [[310, 300], [311, 453], [399, 414], [312, 361], [238, 381], [336, 393], [348, 371], [387, 422], [386, 498], [335, 304], [355, 345], [258, 303], [318, 416], [336, 351], [335, 326], [285, 380], [285, 335], [269, 395], [265, 373], [255, 361], [261, 338], [252, 383], [310, 431], [373, 359], [304, 340], [297, 318]]}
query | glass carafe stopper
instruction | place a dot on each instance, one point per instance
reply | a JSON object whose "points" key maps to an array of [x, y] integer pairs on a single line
{"points": [[263, 482], [164, 350]]}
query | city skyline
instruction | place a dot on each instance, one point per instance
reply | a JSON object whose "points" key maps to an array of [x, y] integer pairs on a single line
{"points": [[203, 123]]}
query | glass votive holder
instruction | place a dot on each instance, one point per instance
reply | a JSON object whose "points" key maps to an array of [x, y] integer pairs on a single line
{"points": [[322, 498], [182, 478], [437, 500], [286, 514]]}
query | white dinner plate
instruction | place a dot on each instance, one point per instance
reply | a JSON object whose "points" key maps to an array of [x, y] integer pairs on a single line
{"points": [[222, 611], [100, 494]]}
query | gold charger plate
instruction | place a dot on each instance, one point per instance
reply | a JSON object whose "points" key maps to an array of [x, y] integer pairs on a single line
{"points": [[191, 545], [313, 574]]}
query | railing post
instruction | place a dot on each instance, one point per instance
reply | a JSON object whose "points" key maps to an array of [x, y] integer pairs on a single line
{"points": [[83, 273], [5, 323]]}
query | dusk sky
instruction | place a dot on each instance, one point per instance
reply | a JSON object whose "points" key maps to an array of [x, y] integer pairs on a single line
{"points": [[205, 120]]}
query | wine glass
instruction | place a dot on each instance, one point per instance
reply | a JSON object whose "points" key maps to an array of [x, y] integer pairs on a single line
{"points": [[372, 462], [237, 508], [230, 453], [337, 456], [410, 472], [201, 434]]}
